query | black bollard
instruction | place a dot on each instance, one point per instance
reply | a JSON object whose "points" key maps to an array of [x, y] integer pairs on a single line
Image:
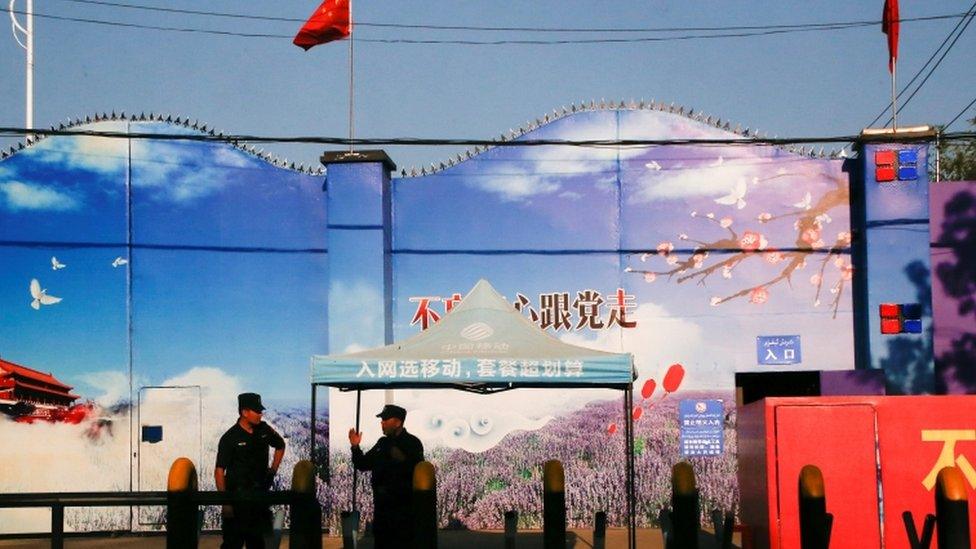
{"points": [[685, 509], [350, 529], [424, 506], [951, 509], [928, 527], [600, 530], [723, 524], [511, 528], [306, 512], [553, 505], [815, 522], [181, 507]]}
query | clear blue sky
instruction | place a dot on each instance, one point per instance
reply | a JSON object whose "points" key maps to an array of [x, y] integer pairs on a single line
{"points": [[797, 84]]}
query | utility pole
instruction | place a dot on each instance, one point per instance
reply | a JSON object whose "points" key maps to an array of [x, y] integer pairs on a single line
{"points": [[28, 45]]}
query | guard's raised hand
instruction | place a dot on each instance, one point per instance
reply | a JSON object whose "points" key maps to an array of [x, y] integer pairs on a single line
{"points": [[355, 437]]}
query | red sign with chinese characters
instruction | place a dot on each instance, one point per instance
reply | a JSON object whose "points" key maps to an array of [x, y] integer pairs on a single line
{"points": [[916, 436], [586, 309]]}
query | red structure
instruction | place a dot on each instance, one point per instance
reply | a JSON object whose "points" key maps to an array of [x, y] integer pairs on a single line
{"points": [[879, 456], [22, 384]]}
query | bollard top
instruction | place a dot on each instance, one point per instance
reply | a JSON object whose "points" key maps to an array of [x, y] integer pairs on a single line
{"points": [[182, 476], [811, 482], [303, 477], [424, 478], [951, 484], [683, 478], [553, 477]]}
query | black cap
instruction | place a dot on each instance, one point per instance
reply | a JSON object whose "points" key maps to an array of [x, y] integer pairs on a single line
{"points": [[249, 401], [392, 410]]}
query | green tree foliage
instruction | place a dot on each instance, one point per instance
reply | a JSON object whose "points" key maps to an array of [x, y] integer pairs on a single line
{"points": [[959, 160]]}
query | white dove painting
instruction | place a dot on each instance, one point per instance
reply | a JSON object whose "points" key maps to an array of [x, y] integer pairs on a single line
{"points": [[119, 261], [56, 265], [40, 296], [806, 203], [736, 195]]}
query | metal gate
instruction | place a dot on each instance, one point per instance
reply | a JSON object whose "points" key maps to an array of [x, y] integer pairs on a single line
{"points": [[169, 426]]}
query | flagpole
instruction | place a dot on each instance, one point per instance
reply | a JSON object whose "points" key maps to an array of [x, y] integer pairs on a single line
{"points": [[894, 98], [352, 37]]}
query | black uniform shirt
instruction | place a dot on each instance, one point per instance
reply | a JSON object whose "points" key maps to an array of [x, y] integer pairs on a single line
{"points": [[392, 461], [244, 456]]}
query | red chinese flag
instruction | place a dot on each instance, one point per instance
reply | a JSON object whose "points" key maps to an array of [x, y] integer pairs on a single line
{"points": [[329, 22], [889, 26]]}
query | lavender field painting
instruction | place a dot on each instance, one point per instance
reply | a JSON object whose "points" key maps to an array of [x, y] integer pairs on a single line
{"points": [[475, 489]]}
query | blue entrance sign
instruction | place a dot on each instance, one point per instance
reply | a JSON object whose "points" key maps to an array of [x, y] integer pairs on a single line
{"points": [[782, 349], [702, 427]]}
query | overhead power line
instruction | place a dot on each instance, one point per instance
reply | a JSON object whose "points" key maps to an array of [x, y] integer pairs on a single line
{"points": [[963, 111], [747, 31], [427, 142], [508, 29]]}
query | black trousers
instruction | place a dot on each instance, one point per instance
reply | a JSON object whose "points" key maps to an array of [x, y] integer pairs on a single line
{"points": [[392, 526], [247, 527]]}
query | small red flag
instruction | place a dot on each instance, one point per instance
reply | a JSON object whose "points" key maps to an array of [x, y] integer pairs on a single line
{"points": [[889, 26], [329, 22]]}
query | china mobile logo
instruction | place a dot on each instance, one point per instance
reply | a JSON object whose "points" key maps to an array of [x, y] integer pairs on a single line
{"points": [[587, 309], [948, 457]]}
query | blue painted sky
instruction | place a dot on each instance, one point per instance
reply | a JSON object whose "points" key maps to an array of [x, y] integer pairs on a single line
{"points": [[228, 268], [811, 83]]}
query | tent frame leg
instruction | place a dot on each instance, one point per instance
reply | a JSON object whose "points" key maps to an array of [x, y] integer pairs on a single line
{"points": [[355, 473], [630, 477]]}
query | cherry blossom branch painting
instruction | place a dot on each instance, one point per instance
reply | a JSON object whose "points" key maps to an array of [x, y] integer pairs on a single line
{"points": [[808, 243]]}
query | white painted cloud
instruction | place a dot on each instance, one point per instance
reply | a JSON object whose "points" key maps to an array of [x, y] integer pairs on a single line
{"points": [[185, 172], [356, 304], [660, 339], [709, 180], [112, 385], [26, 196], [103, 155], [541, 170], [179, 172], [219, 391]]}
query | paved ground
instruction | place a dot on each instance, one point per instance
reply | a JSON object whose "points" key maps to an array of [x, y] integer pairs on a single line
{"points": [[576, 539]]}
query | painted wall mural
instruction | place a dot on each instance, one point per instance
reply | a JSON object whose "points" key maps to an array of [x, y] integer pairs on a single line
{"points": [[171, 275]]}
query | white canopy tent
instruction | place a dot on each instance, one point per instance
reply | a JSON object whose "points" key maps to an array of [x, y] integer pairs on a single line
{"points": [[483, 345]]}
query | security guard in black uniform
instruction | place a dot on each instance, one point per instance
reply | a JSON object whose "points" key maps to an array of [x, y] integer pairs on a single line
{"points": [[391, 460], [242, 465]]}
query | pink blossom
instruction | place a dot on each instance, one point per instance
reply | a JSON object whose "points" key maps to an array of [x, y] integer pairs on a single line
{"points": [[847, 272], [844, 237], [759, 295], [816, 279], [672, 260], [726, 222], [752, 241], [764, 217], [664, 248], [727, 271], [650, 277], [715, 301], [773, 256], [839, 262], [810, 235]]}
